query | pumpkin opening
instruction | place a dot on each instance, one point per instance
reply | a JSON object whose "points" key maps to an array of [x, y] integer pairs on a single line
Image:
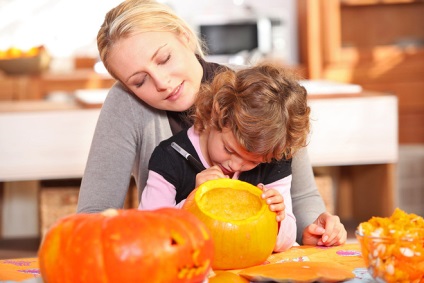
{"points": [[230, 204]]}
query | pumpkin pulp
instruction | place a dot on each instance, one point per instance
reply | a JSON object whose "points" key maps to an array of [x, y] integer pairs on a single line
{"points": [[230, 204]]}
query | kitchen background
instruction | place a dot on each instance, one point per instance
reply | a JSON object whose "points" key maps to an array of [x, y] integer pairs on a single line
{"points": [[320, 40], [68, 28]]}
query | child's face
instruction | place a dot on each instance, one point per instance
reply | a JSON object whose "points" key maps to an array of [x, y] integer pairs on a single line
{"points": [[225, 152]]}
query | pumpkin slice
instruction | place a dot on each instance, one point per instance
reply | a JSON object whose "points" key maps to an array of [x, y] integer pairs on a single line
{"points": [[227, 277], [298, 272], [244, 230]]}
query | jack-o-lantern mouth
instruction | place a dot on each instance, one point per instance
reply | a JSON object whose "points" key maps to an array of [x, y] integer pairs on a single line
{"points": [[197, 266], [189, 272]]}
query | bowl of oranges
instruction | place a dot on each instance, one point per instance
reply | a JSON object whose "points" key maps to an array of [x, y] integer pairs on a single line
{"points": [[16, 61]]}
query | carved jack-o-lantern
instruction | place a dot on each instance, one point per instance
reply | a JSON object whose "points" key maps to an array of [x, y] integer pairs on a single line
{"points": [[165, 245], [243, 228]]}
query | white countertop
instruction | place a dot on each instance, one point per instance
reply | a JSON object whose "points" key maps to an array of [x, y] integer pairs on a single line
{"points": [[45, 144], [54, 144]]}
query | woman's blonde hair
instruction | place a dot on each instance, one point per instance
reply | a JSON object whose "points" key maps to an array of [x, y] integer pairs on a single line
{"points": [[264, 106], [136, 16]]}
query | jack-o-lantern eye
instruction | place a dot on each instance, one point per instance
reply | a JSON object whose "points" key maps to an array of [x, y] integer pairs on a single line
{"points": [[177, 239], [140, 244]]}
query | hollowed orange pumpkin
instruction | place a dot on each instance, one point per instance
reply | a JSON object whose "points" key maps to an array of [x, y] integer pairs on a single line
{"points": [[165, 245], [243, 228]]}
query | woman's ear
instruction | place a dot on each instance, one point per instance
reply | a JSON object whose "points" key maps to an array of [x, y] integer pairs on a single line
{"points": [[186, 38]]}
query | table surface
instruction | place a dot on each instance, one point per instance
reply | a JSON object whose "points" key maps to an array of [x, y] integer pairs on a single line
{"points": [[349, 256]]}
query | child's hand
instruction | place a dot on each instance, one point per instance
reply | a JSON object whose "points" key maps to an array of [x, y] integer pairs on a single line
{"points": [[211, 173], [275, 201]]}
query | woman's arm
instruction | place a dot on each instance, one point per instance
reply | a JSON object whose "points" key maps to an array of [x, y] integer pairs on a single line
{"points": [[126, 133], [306, 200]]}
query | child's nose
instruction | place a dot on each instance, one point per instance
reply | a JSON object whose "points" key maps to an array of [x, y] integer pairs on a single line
{"points": [[236, 163]]}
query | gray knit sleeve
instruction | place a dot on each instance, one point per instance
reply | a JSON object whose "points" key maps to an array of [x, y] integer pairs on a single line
{"points": [[126, 133], [307, 202]]}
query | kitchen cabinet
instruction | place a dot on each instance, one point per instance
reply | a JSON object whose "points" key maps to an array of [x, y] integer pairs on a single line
{"points": [[378, 44]]}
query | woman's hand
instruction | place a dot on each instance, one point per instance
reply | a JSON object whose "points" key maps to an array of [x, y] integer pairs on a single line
{"points": [[275, 201], [327, 230], [211, 173]]}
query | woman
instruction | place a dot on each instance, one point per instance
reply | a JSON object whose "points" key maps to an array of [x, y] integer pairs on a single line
{"points": [[158, 62]]}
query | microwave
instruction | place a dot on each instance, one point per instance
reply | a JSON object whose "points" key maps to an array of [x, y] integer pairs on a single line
{"points": [[241, 40]]}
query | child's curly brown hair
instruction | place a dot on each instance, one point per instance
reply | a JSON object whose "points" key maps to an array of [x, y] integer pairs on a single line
{"points": [[264, 106]]}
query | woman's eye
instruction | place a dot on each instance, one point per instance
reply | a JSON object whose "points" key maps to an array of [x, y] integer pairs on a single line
{"points": [[166, 59], [138, 85]]}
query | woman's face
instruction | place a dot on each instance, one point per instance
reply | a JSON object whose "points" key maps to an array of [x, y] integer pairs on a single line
{"points": [[159, 67], [223, 150]]}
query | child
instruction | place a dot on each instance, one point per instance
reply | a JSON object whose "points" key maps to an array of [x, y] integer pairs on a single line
{"points": [[247, 126]]}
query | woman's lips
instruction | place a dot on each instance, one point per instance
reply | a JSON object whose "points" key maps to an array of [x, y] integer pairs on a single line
{"points": [[176, 93]]}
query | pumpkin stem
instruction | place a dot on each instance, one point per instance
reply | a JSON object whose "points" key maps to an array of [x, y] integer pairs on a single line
{"points": [[110, 212]]}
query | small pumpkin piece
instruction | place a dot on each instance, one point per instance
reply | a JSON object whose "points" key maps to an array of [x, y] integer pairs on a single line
{"points": [[299, 272], [227, 277]]}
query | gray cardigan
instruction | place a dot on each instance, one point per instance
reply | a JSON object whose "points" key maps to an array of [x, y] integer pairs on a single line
{"points": [[126, 134]]}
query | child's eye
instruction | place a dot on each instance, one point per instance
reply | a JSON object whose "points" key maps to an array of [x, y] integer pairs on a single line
{"points": [[227, 150]]}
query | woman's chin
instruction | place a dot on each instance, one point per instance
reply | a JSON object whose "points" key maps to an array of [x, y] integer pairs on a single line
{"points": [[180, 106]]}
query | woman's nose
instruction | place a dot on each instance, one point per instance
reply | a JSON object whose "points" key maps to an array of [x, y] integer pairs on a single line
{"points": [[161, 80]]}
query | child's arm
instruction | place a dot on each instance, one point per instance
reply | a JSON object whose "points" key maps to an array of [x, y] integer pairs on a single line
{"points": [[157, 193], [278, 197]]}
